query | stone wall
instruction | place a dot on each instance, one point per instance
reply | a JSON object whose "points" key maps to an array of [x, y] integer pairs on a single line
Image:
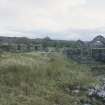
{"points": [[85, 54]]}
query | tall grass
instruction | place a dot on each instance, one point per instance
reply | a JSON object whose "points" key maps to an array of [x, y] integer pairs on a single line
{"points": [[41, 79]]}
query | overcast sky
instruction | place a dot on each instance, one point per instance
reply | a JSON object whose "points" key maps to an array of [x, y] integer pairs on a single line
{"points": [[61, 19]]}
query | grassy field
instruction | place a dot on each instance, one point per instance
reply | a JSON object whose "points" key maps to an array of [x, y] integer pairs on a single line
{"points": [[42, 79]]}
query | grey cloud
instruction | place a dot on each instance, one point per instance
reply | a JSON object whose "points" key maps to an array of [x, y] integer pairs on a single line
{"points": [[56, 18]]}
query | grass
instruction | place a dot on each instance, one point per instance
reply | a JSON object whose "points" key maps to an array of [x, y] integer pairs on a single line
{"points": [[41, 79]]}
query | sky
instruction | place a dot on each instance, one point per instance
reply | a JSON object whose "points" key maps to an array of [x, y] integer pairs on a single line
{"points": [[58, 19]]}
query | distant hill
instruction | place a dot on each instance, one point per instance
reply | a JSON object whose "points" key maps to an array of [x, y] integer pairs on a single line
{"points": [[98, 41]]}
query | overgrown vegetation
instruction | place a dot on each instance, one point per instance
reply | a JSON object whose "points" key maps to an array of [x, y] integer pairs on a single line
{"points": [[42, 79]]}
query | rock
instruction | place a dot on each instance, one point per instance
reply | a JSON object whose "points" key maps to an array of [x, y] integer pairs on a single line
{"points": [[76, 91], [98, 92], [87, 104]]}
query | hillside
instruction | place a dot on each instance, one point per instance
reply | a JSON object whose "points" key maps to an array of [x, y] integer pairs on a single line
{"points": [[43, 79]]}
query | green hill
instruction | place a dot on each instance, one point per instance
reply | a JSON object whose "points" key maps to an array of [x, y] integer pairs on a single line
{"points": [[42, 79]]}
